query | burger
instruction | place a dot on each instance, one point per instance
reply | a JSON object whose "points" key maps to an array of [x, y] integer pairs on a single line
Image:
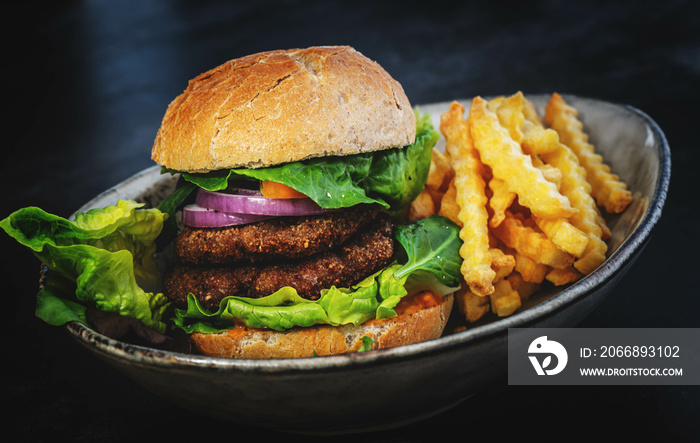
{"points": [[287, 234], [298, 167]]}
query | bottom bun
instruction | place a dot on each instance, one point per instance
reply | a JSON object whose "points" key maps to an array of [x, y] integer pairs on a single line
{"points": [[416, 322]]}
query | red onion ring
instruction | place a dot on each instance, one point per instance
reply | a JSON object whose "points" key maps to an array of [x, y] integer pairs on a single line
{"points": [[252, 202], [199, 217]]}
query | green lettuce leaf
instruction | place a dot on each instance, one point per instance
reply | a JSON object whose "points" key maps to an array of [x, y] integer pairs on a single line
{"points": [[431, 248], [367, 343], [55, 306], [108, 254], [391, 178]]}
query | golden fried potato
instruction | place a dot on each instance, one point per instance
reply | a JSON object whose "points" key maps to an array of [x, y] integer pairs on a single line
{"points": [[531, 114], [501, 199], [471, 199], [560, 277], [501, 263], [440, 176], [448, 206], [564, 235], [607, 188], [520, 118], [504, 300], [531, 243], [524, 288], [422, 206], [529, 269], [495, 102], [538, 140], [471, 305], [522, 196], [440, 173], [588, 219], [507, 161], [549, 172], [510, 115]]}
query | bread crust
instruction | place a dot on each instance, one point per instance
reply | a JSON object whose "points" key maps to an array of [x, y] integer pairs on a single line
{"points": [[425, 324], [281, 106]]}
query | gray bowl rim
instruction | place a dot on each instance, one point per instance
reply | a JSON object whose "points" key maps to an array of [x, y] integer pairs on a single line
{"points": [[141, 355]]}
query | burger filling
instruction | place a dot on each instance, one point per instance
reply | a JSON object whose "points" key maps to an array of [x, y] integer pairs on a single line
{"points": [[308, 254], [318, 241]]}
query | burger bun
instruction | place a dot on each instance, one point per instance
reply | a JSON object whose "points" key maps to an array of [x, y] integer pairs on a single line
{"points": [[283, 106], [412, 326]]}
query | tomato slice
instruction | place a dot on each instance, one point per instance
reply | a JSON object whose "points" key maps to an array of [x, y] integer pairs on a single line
{"points": [[271, 189]]}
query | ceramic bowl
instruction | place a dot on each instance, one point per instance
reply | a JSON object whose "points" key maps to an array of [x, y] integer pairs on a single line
{"points": [[387, 388]]}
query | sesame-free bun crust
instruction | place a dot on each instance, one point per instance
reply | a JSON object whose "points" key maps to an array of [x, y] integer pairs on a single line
{"points": [[281, 106], [404, 329]]}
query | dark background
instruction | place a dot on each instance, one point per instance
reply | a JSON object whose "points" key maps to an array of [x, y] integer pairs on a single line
{"points": [[86, 85]]}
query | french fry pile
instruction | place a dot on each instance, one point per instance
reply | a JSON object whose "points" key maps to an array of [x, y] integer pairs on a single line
{"points": [[526, 197]]}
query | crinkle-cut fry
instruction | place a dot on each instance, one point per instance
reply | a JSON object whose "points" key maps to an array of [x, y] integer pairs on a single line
{"points": [[501, 263], [422, 206], [529, 269], [525, 288], [510, 115], [507, 161], [593, 256], [440, 172], [560, 277], [537, 162], [531, 114], [588, 219], [495, 102], [564, 235], [550, 173], [448, 204], [577, 189], [531, 243], [500, 200], [440, 177], [504, 299], [471, 198], [538, 140], [607, 188], [471, 305], [513, 113]]}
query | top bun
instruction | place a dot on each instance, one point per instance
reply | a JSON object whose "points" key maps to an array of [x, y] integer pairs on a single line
{"points": [[282, 106]]}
